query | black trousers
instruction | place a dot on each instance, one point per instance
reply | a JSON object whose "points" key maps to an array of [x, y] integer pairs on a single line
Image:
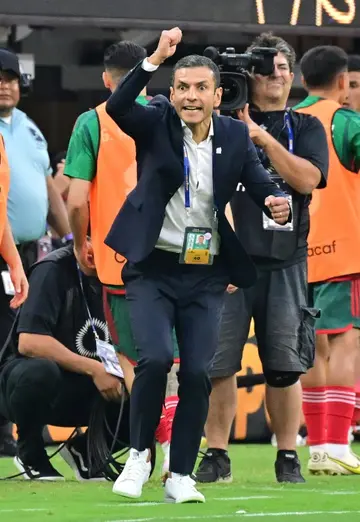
{"points": [[37, 392], [162, 294], [28, 254]]}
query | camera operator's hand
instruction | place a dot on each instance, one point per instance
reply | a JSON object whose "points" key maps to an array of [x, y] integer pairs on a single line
{"points": [[279, 208], [166, 46], [258, 135], [108, 385]]}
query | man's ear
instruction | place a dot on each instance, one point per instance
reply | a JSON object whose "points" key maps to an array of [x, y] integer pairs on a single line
{"points": [[343, 80], [172, 93], [106, 80], [218, 96]]}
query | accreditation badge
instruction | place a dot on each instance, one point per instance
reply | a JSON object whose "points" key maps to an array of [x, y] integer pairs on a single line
{"points": [[196, 246], [106, 352]]}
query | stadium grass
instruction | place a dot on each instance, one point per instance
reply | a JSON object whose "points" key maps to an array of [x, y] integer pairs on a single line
{"points": [[254, 495]]}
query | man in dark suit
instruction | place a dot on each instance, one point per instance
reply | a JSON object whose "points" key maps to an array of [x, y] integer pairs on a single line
{"points": [[190, 162]]}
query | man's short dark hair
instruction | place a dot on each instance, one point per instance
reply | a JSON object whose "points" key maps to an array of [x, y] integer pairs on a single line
{"points": [[354, 63], [121, 57], [196, 60], [321, 65], [270, 40]]}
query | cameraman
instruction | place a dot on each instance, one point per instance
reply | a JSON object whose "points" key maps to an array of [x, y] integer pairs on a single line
{"points": [[293, 148]]}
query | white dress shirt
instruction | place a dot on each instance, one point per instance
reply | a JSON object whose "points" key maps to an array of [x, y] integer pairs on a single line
{"points": [[201, 211]]}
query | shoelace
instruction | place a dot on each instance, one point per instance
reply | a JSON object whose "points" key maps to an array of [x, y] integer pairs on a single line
{"points": [[207, 460], [206, 456], [133, 470], [187, 481]]}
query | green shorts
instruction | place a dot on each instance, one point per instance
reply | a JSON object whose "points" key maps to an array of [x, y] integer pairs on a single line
{"points": [[339, 302], [116, 310]]}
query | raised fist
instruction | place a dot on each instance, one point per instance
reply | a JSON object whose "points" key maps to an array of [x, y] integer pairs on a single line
{"points": [[167, 45]]}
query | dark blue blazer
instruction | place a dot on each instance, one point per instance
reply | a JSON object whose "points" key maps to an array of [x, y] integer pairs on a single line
{"points": [[158, 134]]}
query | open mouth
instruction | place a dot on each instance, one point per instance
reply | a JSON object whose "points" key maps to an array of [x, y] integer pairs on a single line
{"points": [[192, 109]]}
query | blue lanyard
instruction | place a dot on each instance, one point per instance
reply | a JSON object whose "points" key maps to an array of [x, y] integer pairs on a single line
{"points": [[290, 132], [86, 303], [187, 184], [186, 178]]}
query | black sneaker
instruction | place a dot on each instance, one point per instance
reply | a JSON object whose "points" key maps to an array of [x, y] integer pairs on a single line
{"points": [[41, 471], [75, 455], [288, 468], [215, 466], [8, 446]]}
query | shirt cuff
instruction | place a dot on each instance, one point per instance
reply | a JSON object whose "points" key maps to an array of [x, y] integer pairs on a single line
{"points": [[149, 67]]}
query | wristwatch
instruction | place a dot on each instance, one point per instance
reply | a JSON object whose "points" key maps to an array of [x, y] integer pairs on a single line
{"points": [[67, 239]]}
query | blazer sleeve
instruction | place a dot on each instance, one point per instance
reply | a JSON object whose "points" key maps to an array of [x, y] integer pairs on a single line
{"points": [[255, 177], [134, 119]]}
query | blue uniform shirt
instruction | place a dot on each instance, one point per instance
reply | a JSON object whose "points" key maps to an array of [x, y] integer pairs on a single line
{"points": [[29, 162]]}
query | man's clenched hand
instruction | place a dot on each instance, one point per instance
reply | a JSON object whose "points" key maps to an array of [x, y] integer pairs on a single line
{"points": [[279, 208], [166, 46]]}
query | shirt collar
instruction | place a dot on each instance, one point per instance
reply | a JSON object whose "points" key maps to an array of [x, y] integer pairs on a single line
{"points": [[6, 119], [188, 132]]}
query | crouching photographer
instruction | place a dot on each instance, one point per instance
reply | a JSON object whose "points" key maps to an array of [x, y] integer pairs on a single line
{"points": [[50, 372], [293, 148]]}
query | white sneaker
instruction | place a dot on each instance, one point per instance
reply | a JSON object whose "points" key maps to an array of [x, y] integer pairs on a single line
{"points": [[319, 463], [134, 475], [349, 464], [180, 489]]}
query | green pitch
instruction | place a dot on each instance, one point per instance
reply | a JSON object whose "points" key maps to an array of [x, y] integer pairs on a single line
{"points": [[253, 496]]}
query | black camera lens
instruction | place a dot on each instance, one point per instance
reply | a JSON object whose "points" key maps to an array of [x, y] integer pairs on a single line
{"points": [[231, 89], [234, 91]]}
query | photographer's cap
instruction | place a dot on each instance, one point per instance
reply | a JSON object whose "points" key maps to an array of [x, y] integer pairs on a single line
{"points": [[9, 62]]}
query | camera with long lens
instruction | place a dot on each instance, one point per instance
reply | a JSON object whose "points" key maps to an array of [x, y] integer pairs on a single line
{"points": [[235, 72]]}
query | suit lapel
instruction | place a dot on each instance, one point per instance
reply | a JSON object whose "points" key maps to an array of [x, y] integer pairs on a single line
{"points": [[219, 157]]}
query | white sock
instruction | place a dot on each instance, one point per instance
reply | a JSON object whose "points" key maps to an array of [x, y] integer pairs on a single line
{"points": [[338, 451], [142, 455], [318, 448]]}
